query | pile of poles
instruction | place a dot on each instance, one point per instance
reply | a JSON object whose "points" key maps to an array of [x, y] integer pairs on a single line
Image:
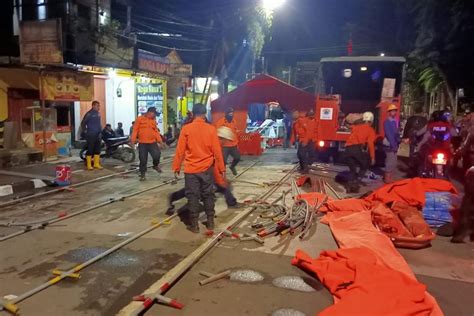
{"points": [[298, 218]]}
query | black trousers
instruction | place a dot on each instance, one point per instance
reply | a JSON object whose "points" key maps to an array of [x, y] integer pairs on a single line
{"points": [[227, 192], [231, 151], [304, 154], [199, 186], [93, 144], [144, 150], [357, 160]]}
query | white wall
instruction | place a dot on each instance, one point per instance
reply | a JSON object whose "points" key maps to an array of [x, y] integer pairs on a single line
{"points": [[120, 109]]}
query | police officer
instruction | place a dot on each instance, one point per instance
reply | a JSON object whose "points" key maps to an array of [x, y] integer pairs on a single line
{"points": [[356, 157], [91, 128]]}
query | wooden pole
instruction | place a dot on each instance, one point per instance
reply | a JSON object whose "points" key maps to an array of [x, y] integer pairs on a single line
{"points": [[43, 114]]}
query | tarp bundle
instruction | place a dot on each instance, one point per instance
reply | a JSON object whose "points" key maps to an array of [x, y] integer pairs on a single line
{"points": [[368, 276]]}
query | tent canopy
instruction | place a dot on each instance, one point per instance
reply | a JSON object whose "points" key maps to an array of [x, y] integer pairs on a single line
{"points": [[262, 89]]}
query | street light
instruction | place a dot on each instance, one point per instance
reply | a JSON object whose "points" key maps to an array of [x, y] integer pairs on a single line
{"points": [[270, 5]]}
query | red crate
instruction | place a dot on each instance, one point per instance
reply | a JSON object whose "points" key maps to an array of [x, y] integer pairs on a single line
{"points": [[250, 144]]}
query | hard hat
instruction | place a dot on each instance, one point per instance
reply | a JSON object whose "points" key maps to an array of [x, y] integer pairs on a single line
{"points": [[392, 107], [368, 117], [226, 133]]}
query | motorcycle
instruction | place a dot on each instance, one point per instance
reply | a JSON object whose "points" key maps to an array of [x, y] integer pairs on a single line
{"points": [[117, 148]]}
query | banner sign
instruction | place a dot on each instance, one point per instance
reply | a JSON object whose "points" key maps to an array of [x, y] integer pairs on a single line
{"points": [[40, 42], [67, 86], [181, 70], [148, 95], [153, 63]]}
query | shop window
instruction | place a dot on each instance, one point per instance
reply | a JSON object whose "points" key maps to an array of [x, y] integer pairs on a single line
{"points": [[63, 117]]}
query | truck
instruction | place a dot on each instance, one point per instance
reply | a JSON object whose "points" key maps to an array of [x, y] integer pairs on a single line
{"points": [[354, 84]]}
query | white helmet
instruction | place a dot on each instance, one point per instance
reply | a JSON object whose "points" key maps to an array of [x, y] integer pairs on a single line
{"points": [[226, 133], [368, 117]]}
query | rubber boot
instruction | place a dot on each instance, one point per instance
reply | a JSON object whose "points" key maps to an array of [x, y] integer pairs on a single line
{"points": [[89, 163], [387, 177], [210, 222], [97, 162]]}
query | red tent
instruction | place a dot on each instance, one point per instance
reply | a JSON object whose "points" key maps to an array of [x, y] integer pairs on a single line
{"points": [[261, 89]]}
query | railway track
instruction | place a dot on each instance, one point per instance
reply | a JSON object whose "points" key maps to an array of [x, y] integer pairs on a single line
{"points": [[11, 306]]}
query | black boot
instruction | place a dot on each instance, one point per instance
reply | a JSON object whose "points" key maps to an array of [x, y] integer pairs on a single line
{"points": [[193, 225], [142, 177], [170, 210], [210, 222]]}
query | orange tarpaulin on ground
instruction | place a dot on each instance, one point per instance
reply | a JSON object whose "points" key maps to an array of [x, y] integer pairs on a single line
{"points": [[364, 285], [410, 191], [356, 230]]}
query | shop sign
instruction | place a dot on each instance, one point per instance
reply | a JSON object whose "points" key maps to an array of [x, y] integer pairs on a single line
{"points": [[388, 89], [40, 42], [67, 86], [181, 70], [153, 63], [149, 95]]}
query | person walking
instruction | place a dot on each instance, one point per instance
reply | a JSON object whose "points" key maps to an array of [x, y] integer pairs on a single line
{"points": [[362, 137], [300, 136], [198, 147], [391, 142], [146, 132], [229, 147], [91, 127]]}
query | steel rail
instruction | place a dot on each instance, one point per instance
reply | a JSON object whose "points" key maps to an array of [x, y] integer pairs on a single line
{"points": [[169, 278], [62, 189], [11, 305]]}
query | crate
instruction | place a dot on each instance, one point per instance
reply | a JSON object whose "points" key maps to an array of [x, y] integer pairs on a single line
{"points": [[250, 144], [437, 208]]}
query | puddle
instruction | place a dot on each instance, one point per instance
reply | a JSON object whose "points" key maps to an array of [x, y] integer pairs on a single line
{"points": [[287, 312], [295, 283], [246, 276]]}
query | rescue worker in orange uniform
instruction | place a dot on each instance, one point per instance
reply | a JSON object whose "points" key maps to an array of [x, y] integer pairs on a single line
{"points": [[362, 136], [220, 182], [229, 147], [199, 148], [146, 132], [304, 131]]}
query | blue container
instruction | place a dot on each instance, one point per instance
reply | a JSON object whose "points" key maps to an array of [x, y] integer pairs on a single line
{"points": [[436, 209]]}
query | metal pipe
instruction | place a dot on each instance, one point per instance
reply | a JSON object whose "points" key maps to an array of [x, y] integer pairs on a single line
{"points": [[71, 186], [59, 219], [162, 285], [333, 190], [7, 305], [215, 277]]}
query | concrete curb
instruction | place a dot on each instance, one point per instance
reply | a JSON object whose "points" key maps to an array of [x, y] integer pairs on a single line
{"points": [[20, 187]]}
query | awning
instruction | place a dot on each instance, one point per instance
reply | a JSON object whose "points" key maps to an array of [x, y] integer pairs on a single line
{"points": [[19, 78]]}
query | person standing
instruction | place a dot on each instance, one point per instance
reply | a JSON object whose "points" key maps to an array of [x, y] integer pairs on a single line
{"points": [[131, 129], [288, 124], [391, 142], [119, 131], [230, 146], [356, 157], [91, 127], [299, 135], [312, 134], [148, 135], [198, 147]]}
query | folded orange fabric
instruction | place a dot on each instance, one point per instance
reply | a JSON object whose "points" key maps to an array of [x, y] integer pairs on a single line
{"points": [[411, 191], [364, 285]]}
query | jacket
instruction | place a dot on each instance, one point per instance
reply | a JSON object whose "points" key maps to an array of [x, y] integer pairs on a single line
{"points": [[91, 122], [363, 134], [146, 130], [199, 148], [304, 130], [223, 122], [390, 128]]}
